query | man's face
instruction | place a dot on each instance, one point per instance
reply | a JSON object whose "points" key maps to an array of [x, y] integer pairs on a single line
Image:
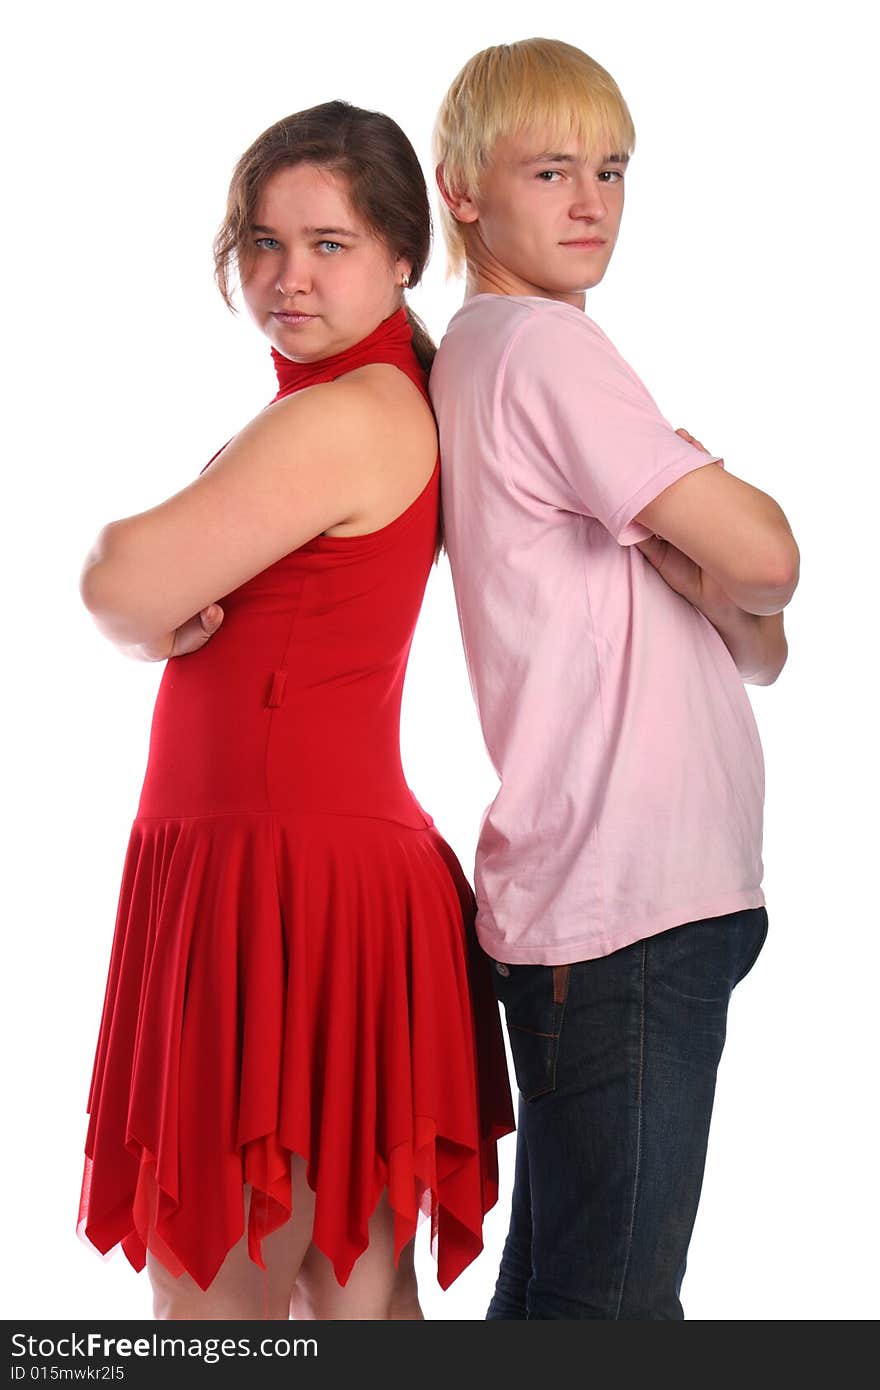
{"points": [[547, 216]]}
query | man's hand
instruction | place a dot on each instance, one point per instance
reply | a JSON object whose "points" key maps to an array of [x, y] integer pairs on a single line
{"points": [[189, 637]]}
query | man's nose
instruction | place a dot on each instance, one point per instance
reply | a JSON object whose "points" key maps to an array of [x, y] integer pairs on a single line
{"points": [[588, 202]]}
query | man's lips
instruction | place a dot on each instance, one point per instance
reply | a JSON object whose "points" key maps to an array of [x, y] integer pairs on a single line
{"points": [[585, 241]]}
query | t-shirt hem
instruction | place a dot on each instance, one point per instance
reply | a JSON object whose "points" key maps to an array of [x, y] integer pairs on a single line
{"points": [[596, 945], [627, 531]]}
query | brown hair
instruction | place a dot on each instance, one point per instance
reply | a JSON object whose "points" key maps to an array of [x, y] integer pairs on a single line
{"points": [[386, 188]]}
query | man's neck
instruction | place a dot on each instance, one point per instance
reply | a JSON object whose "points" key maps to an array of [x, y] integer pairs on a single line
{"points": [[497, 280]]}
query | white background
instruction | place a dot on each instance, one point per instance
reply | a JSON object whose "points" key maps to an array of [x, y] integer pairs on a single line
{"points": [[742, 291]]}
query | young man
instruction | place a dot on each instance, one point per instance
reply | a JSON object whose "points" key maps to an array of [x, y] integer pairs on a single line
{"points": [[615, 585]]}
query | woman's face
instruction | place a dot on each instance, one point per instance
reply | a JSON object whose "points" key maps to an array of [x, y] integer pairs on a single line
{"points": [[316, 280]]}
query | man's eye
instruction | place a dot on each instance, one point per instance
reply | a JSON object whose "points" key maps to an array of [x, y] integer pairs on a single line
{"points": [[266, 243], [553, 173], [615, 174]]}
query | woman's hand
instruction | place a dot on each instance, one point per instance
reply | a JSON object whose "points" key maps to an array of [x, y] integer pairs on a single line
{"points": [[679, 571], [189, 637]]}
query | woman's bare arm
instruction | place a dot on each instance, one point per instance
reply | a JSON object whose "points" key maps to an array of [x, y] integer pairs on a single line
{"points": [[312, 461]]}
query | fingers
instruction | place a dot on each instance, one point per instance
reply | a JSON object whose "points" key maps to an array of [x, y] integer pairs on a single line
{"points": [[653, 549], [690, 439], [196, 631], [211, 618]]}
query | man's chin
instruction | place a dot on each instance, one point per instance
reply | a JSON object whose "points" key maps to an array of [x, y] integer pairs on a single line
{"points": [[568, 284], [565, 290]]}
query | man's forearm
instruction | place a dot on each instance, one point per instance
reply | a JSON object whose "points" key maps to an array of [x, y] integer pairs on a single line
{"points": [[756, 643]]}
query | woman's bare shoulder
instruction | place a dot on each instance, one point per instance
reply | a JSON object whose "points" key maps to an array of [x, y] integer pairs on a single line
{"points": [[397, 438], [379, 397]]}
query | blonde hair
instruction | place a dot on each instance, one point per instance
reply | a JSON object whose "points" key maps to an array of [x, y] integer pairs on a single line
{"points": [[505, 90]]}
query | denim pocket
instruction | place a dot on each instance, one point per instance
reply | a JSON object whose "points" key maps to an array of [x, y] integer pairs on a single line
{"points": [[534, 998], [761, 925], [701, 963]]}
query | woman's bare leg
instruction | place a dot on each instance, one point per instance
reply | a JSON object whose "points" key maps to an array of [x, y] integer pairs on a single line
{"points": [[405, 1297], [375, 1288], [241, 1289]]}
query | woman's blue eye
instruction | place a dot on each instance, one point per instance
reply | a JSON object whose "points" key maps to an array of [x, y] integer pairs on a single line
{"points": [[263, 243], [337, 244]]}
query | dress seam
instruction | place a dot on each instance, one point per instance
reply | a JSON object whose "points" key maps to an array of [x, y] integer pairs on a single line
{"points": [[274, 811], [295, 609]]}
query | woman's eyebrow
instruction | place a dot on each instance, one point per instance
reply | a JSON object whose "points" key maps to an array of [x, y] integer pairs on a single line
{"points": [[309, 231], [326, 231]]}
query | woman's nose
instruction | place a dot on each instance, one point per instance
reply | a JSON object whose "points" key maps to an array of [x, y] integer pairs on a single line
{"points": [[294, 276]]}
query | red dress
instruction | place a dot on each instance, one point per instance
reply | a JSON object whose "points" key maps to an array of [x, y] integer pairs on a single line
{"points": [[294, 967]]}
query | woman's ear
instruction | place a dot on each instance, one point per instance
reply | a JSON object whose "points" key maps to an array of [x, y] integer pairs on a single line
{"points": [[403, 267]]}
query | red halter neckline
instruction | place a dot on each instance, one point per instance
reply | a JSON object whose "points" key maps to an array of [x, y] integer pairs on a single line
{"points": [[390, 341]]}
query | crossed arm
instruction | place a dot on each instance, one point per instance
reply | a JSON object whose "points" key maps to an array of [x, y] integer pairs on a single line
{"points": [[727, 548], [307, 463]]}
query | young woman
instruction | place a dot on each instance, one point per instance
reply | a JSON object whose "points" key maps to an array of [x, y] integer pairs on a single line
{"points": [[300, 1046]]}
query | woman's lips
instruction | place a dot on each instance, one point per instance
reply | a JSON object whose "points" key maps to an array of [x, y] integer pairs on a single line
{"points": [[289, 318], [593, 243]]}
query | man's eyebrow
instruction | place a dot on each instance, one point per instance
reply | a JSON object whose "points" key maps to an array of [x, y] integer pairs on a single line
{"points": [[549, 157], [310, 231]]}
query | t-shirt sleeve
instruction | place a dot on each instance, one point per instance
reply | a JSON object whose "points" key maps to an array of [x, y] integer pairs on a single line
{"points": [[580, 430]]}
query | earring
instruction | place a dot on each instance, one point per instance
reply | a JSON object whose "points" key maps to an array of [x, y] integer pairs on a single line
{"points": [[405, 281]]}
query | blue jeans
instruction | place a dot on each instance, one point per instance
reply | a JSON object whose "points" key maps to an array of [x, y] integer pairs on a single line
{"points": [[615, 1060]]}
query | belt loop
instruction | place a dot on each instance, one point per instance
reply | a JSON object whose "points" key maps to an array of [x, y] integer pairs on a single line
{"points": [[560, 983]]}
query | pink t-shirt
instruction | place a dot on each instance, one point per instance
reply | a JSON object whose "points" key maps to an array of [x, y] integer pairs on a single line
{"points": [[632, 780]]}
